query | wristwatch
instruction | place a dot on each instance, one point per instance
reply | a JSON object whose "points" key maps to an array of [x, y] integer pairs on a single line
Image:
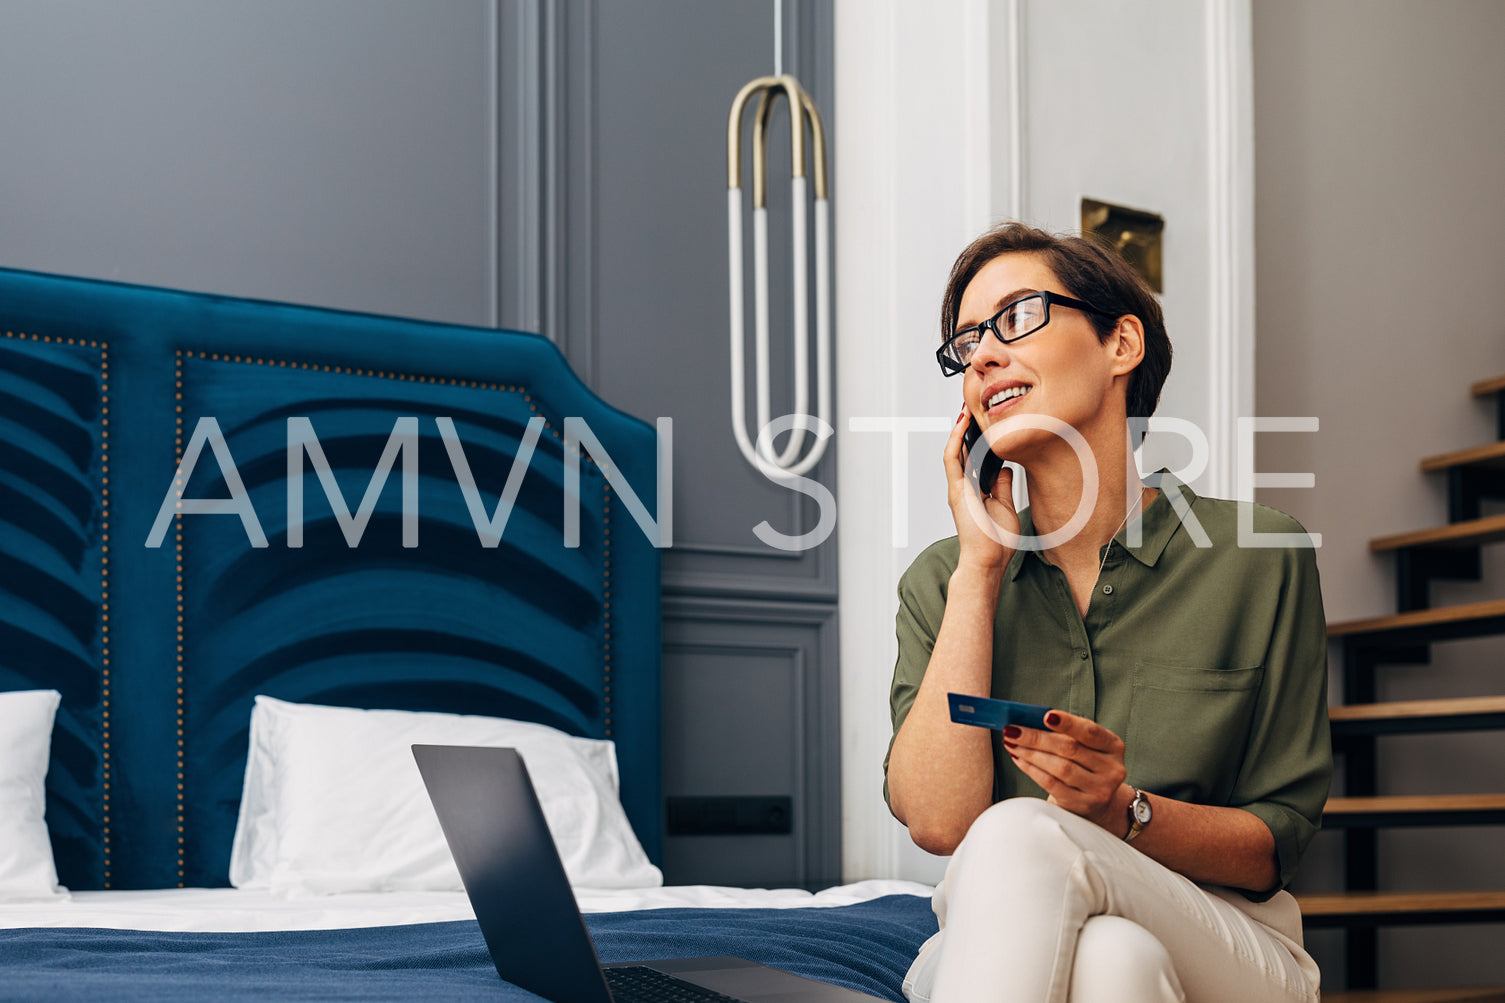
{"points": [[1139, 814]]}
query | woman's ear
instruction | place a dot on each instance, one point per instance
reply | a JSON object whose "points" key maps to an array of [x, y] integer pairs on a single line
{"points": [[1127, 344]]}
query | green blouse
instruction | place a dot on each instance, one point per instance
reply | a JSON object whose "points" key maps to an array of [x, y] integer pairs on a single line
{"points": [[1210, 661]]}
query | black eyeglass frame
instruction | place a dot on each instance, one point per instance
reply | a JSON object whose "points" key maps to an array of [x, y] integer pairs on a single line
{"points": [[950, 367]]}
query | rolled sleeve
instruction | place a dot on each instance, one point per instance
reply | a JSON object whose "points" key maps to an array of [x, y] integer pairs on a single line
{"points": [[922, 603], [1288, 764]]}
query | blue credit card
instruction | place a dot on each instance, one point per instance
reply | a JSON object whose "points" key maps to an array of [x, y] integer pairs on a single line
{"points": [[985, 712]]}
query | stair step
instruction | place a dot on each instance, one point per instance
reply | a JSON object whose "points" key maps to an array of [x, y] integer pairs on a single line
{"points": [[1462, 994], [1473, 533], [1487, 457], [1349, 909], [1414, 809], [1424, 625], [1484, 388], [1414, 716]]}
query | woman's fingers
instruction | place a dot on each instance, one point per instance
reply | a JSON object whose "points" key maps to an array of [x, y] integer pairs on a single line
{"points": [[981, 521], [1079, 768], [1085, 771], [1089, 801], [1084, 731], [1065, 772], [1003, 488], [954, 451], [1079, 790], [1070, 737], [1079, 763], [1048, 781]]}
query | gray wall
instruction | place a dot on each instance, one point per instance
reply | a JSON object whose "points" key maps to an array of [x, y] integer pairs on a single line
{"points": [[1379, 146], [549, 165], [334, 153]]}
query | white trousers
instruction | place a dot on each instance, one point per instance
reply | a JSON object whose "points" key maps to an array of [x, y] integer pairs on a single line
{"points": [[1042, 906]]}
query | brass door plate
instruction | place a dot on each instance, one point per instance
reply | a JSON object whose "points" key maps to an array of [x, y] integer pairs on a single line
{"points": [[1134, 233]]}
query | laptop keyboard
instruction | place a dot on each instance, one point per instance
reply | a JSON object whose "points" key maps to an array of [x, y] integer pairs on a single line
{"points": [[637, 984]]}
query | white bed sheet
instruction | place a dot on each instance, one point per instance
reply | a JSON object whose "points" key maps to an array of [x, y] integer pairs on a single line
{"points": [[234, 910]]}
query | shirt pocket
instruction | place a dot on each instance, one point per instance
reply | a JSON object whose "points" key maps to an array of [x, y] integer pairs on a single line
{"points": [[1189, 728]]}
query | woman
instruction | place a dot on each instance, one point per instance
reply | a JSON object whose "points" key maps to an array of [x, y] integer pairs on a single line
{"points": [[1137, 847]]}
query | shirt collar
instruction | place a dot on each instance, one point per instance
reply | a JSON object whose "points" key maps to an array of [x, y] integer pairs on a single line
{"points": [[1159, 523]]}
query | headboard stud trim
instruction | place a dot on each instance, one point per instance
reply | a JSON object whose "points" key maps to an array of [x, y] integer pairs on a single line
{"points": [[351, 371], [80, 342], [606, 606], [178, 560], [104, 600]]}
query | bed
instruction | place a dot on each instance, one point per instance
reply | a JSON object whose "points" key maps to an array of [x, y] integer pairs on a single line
{"points": [[244, 534]]}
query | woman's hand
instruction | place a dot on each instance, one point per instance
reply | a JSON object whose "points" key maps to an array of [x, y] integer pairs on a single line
{"points": [[1079, 763], [980, 544]]}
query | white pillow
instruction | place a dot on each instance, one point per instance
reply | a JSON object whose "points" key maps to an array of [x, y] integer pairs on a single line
{"points": [[26, 868], [333, 801]]}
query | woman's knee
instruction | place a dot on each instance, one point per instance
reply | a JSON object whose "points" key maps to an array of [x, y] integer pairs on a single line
{"points": [[1018, 823], [1119, 959]]}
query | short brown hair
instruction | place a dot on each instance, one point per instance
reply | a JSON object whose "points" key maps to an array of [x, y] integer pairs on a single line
{"points": [[1090, 270]]}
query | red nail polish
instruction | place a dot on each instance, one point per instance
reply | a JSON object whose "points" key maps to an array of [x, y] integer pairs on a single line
{"points": [[1052, 719], [1012, 731]]}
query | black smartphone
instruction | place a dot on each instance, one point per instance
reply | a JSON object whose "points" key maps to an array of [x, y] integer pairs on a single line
{"points": [[986, 472]]}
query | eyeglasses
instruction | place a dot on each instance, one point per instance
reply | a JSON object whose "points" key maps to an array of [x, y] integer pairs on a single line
{"points": [[1022, 317]]}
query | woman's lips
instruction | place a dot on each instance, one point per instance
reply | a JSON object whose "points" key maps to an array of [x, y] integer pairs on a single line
{"points": [[1008, 402]]}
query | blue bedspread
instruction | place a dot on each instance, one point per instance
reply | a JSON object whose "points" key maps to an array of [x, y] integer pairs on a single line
{"points": [[867, 946]]}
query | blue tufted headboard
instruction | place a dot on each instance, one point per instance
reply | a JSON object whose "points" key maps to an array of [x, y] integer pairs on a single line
{"points": [[158, 652]]}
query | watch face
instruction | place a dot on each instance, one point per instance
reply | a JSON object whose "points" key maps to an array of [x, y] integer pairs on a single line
{"points": [[1142, 811]]}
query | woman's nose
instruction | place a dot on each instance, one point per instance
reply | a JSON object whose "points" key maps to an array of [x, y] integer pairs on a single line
{"points": [[990, 351]]}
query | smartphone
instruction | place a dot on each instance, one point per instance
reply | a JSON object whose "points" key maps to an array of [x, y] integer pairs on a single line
{"points": [[985, 712], [985, 473]]}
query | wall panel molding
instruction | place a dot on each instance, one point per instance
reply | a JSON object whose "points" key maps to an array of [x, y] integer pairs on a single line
{"points": [[544, 189], [573, 294], [699, 632], [1007, 78], [519, 242], [753, 571], [1230, 195]]}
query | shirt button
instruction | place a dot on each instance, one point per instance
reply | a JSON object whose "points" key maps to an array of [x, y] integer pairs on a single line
{"points": [[1083, 654], [1107, 590]]}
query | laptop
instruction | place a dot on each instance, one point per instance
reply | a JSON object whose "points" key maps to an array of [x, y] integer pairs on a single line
{"points": [[522, 899]]}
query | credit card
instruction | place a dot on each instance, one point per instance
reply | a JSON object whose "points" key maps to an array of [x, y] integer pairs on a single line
{"points": [[985, 712]]}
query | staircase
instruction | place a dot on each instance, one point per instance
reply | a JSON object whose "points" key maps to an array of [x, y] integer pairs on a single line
{"points": [[1452, 552]]}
